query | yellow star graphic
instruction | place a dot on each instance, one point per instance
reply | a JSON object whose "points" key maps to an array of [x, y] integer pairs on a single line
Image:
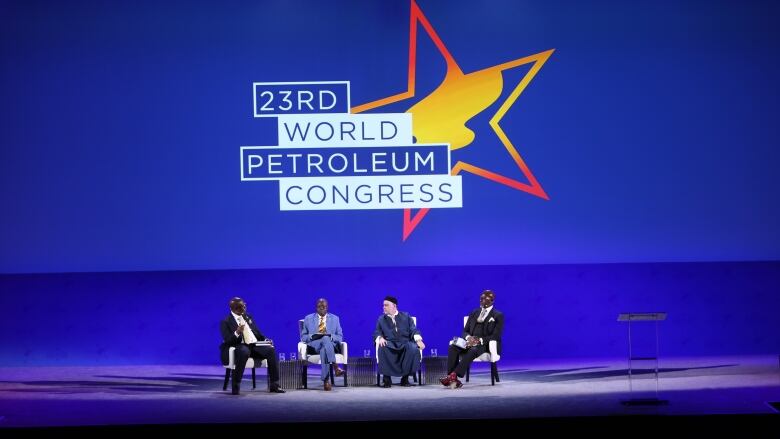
{"points": [[442, 115]]}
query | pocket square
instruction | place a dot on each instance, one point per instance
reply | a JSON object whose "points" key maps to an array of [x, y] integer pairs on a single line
{"points": [[491, 320]]}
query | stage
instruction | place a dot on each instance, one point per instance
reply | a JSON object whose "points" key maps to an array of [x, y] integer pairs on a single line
{"points": [[529, 389]]}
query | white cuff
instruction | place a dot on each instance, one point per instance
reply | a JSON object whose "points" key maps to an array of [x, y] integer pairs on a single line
{"points": [[417, 337]]}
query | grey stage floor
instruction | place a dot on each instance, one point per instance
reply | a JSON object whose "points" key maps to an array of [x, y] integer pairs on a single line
{"points": [[130, 395]]}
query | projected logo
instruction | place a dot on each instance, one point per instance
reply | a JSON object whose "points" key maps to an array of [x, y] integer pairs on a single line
{"points": [[331, 156], [329, 159]]}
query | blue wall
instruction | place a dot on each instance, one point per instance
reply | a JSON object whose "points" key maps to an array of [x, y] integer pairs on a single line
{"points": [[125, 228], [551, 310], [652, 127]]}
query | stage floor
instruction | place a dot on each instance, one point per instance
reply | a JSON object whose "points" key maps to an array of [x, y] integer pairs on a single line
{"points": [[181, 394]]}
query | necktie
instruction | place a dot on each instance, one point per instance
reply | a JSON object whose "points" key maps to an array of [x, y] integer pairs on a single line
{"points": [[482, 315], [249, 336], [321, 328], [395, 325]]}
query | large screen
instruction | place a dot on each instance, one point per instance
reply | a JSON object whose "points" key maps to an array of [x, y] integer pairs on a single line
{"points": [[208, 135]]}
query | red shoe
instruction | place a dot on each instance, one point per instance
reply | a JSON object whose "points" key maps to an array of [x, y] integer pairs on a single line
{"points": [[336, 371], [456, 384], [448, 379]]}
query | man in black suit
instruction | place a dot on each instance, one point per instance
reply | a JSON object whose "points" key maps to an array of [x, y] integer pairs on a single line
{"points": [[483, 325], [240, 331]]}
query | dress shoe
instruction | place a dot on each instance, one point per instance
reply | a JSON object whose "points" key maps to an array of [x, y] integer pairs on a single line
{"points": [[456, 384], [326, 386], [235, 391], [386, 383], [448, 379], [405, 381], [336, 371], [276, 389]]}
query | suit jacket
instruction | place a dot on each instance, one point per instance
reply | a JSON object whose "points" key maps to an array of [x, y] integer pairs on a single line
{"points": [[228, 329], [406, 328], [311, 325], [492, 327]]}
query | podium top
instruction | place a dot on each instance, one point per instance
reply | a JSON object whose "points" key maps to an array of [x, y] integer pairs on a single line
{"points": [[641, 316]]}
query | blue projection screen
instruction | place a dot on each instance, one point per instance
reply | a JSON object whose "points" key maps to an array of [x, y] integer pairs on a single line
{"points": [[200, 135]]}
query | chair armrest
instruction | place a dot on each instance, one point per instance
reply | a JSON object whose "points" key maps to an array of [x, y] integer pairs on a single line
{"points": [[231, 358], [302, 350], [344, 351], [493, 348]]}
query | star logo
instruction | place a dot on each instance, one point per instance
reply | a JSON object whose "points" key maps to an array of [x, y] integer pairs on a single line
{"points": [[442, 115]]}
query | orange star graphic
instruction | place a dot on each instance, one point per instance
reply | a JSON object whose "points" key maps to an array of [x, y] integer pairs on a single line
{"points": [[457, 99]]}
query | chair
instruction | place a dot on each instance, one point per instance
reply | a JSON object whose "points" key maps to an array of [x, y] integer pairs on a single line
{"points": [[417, 378], [315, 359], [250, 364], [491, 356]]}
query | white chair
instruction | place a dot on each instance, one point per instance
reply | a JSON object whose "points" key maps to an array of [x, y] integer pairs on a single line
{"points": [[491, 356], [417, 378], [315, 359], [250, 364]]}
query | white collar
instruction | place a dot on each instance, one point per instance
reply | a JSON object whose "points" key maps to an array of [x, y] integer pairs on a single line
{"points": [[490, 308], [236, 316]]}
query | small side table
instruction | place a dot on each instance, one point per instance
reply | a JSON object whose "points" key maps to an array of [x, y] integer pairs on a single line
{"points": [[361, 372], [433, 369], [291, 374]]}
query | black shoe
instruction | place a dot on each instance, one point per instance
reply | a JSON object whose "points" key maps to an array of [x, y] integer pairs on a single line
{"points": [[235, 391], [405, 381], [276, 389], [386, 382]]}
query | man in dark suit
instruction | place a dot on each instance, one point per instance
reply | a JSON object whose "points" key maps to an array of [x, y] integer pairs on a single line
{"points": [[240, 331], [397, 354], [483, 325]]}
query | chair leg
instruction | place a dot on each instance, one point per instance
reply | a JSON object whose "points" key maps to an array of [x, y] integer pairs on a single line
{"points": [[332, 381], [345, 375], [254, 383], [305, 376], [377, 379], [492, 374], [419, 377], [227, 378], [495, 371], [468, 372], [414, 377]]}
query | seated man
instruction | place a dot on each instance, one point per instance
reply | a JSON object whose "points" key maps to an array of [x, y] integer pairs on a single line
{"points": [[483, 325], [240, 331], [322, 333], [398, 354]]}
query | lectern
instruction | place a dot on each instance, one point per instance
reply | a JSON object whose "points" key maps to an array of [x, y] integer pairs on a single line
{"points": [[633, 318]]}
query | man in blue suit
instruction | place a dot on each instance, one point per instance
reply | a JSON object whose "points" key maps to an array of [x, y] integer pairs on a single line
{"points": [[322, 334], [398, 354]]}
